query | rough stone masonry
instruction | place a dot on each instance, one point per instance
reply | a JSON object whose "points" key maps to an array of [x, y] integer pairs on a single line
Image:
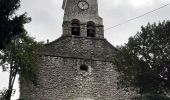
{"points": [[78, 65]]}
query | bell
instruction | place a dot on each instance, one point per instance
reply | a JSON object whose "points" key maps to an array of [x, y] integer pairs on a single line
{"points": [[75, 29], [91, 31]]}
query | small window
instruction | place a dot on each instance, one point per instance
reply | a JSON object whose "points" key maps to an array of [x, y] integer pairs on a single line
{"points": [[90, 29], [75, 27], [84, 68]]}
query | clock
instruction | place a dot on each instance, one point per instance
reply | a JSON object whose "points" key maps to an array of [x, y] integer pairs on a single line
{"points": [[83, 5]]}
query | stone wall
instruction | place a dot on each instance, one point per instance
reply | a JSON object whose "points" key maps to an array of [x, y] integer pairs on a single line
{"points": [[80, 47], [60, 78]]}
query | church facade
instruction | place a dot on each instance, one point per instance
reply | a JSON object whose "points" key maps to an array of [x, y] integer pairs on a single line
{"points": [[78, 65]]}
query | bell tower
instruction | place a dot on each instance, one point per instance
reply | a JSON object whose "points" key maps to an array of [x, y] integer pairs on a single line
{"points": [[81, 19]]}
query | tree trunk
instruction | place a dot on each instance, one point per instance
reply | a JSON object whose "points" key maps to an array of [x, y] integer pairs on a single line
{"points": [[12, 76]]}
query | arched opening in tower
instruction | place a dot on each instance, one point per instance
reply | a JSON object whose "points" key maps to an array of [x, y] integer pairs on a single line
{"points": [[90, 29], [75, 27]]}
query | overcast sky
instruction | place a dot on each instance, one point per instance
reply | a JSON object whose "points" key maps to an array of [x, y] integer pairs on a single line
{"points": [[47, 17]]}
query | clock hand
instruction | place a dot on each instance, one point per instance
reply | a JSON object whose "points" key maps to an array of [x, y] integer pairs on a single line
{"points": [[84, 3]]}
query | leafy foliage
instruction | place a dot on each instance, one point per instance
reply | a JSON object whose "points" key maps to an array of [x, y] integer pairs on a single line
{"points": [[2, 94], [17, 50], [10, 23], [20, 57], [144, 62]]}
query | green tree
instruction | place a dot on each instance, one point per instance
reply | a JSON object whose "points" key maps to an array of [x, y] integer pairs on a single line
{"points": [[13, 40], [144, 62], [11, 24], [2, 94], [20, 57]]}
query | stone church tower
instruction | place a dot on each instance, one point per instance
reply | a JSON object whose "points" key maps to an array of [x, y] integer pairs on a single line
{"points": [[78, 65]]}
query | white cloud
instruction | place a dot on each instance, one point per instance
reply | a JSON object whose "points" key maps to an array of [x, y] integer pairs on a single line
{"points": [[141, 3]]}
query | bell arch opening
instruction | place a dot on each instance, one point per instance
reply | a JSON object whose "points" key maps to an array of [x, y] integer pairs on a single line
{"points": [[75, 27], [90, 29]]}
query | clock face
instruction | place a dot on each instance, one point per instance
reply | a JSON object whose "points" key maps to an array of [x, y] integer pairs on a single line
{"points": [[83, 5]]}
